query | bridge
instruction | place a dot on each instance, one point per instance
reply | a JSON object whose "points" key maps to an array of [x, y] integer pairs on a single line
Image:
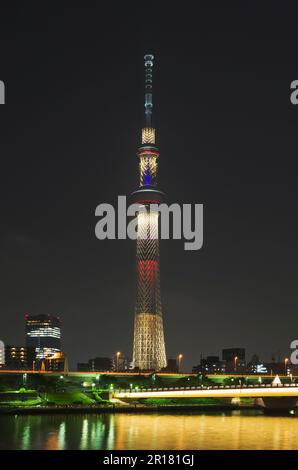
{"points": [[216, 391], [274, 396]]}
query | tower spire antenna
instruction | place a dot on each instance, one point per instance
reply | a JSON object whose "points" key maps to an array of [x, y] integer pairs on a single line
{"points": [[148, 62]]}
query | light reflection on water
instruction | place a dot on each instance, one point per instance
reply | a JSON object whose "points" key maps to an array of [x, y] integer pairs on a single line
{"points": [[236, 430]]}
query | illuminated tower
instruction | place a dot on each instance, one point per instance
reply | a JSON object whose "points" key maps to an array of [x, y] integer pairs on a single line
{"points": [[149, 345]]}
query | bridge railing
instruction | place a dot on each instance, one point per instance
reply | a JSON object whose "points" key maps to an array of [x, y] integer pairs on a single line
{"points": [[204, 387]]}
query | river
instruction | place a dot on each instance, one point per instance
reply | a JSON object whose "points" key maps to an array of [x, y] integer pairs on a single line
{"points": [[185, 430]]}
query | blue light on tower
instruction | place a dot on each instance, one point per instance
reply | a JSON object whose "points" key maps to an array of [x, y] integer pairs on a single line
{"points": [[147, 178]]}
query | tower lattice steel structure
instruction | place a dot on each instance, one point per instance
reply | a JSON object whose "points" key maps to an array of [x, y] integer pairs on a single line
{"points": [[149, 345]]}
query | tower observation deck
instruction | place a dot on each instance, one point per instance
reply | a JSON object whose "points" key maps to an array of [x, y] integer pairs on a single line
{"points": [[149, 345]]}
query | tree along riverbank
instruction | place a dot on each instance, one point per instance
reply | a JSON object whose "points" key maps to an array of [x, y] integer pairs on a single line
{"points": [[135, 408]]}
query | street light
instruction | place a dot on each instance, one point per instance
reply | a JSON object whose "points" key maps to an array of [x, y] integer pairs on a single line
{"points": [[180, 357], [291, 377], [286, 364], [24, 379], [118, 354], [235, 363]]}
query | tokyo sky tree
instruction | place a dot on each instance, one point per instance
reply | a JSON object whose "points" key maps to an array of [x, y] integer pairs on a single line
{"points": [[149, 345]]}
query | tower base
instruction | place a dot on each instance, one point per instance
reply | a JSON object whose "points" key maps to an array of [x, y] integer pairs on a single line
{"points": [[149, 346]]}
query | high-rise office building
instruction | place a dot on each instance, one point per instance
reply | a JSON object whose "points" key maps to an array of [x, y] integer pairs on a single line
{"points": [[43, 333], [149, 345]]}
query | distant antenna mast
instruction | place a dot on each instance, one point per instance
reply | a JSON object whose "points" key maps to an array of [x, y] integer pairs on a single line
{"points": [[148, 61]]}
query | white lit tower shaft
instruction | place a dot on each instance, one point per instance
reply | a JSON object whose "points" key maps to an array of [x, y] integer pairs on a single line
{"points": [[149, 346]]}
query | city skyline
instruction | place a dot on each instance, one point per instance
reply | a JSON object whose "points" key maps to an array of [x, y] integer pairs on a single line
{"points": [[44, 327], [226, 130]]}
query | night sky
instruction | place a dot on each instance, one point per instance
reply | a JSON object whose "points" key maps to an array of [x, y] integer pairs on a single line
{"points": [[227, 134]]}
